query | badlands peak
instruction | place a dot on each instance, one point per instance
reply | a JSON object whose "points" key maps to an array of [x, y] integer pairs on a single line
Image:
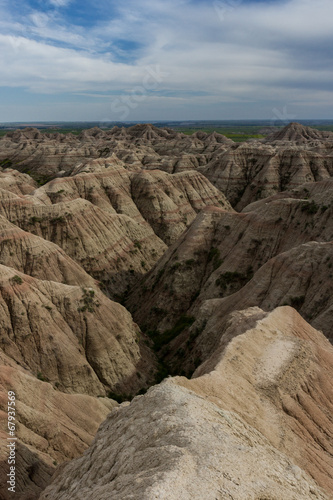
{"points": [[295, 132]]}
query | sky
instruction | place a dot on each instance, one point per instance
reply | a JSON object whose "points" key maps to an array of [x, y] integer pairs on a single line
{"points": [[150, 60]]}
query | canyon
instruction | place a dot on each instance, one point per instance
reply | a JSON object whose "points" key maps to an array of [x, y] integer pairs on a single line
{"points": [[166, 314]]}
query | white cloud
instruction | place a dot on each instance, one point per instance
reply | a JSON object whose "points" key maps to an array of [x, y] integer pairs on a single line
{"points": [[255, 53]]}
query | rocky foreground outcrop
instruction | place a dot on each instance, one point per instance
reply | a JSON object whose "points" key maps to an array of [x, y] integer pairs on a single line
{"points": [[256, 422], [51, 427]]}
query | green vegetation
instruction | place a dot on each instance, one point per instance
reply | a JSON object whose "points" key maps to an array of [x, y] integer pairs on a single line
{"points": [[34, 220], [190, 262], [88, 301], [214, 256], [41, 377], [237, 133], [297, 302], [40, 179], [17, 280], [60, 218], [175, 266], [310, 207], [6, 163], [234, 278]]}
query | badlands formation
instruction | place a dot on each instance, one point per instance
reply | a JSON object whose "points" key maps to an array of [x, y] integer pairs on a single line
{"points": [[166, 314]]}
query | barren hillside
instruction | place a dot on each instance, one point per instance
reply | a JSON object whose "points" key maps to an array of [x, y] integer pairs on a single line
{"points": [[131, 254]]}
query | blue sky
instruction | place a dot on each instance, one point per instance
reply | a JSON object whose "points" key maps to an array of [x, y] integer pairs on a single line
{"points": [[142, 60]]}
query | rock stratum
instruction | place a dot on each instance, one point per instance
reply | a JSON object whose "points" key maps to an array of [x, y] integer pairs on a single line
{"points": [[130, 254], [197, 439]]}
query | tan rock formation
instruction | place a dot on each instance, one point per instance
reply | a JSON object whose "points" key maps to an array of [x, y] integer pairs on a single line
{"points": [[37, 257], [221, 251], [250, 171], [243, 172], [258, 425], [108, 220], [74, 337], [110, 247], [16, 182], [300, 134], [51, 427], [167, 202]]}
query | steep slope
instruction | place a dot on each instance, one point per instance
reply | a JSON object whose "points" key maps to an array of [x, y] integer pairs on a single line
{"points": [[258, 424], [37, 257], [301, 277], [110, 247], [51, 427], [16, 182], [243, 172], [167, 202], [221, 251], [112, 221], [295, 132], [74, 337], [250, 171], [170, 202]]}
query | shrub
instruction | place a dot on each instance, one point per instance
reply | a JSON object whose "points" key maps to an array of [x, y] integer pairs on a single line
{"points": [[17, 280], [310, 207], [120, 398], [35, 219], [40, 376], [297, 302], [213, 253], [88, 301], [190, 262]]}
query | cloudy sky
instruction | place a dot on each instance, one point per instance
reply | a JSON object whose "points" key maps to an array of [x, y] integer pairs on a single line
{"points": [[141, 60]]}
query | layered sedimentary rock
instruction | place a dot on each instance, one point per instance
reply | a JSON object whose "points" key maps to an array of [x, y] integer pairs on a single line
{"points": [[243, 172], [300, 134], [167, 202], [38, 257], [255, 423], [251, 171], [72, 336], [110, 247], [47, 155], [16, 182], [221, 251], [51, 427], [113, 222], [141, 215]]}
